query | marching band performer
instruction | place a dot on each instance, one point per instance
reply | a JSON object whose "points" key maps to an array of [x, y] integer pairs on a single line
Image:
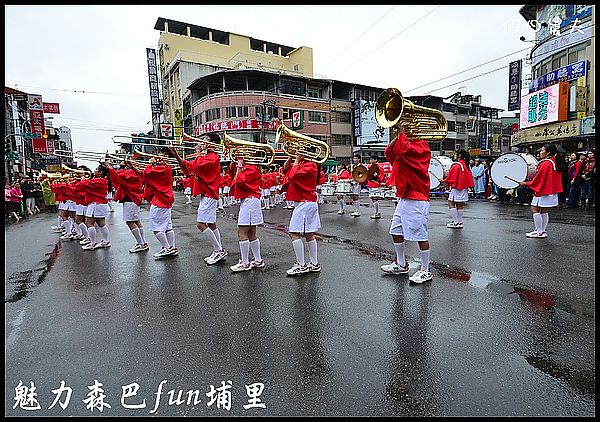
{"points": [[410, 171], [459, 179], [187, 189], [322, 180], [158, 191], [206, 169], [130, 191], [84, 236], [356, 187], [71, 209], [375, 185], [341, 174], [246, 188], [58, 189], [546, 185], [96, 192], [302, 183]]}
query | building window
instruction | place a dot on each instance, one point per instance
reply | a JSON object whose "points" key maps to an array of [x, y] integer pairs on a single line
{"points": [[460, 127], [213, 114], [198, 119], [230, 112], [317, 117], [341, 139], [288, 113], [451, 126], [242, 111], [314, 92], [341, 117]]}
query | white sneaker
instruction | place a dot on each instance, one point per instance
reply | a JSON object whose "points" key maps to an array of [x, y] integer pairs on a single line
{"points": [[89, 247], [161, 254], [85, 241], [376, 215], [421, 276], [297, 269], [340, 212], [452, 225], [56, 229], [394, 268], [66, 237], [240, 266], [139, 248], [103, 244], [533, 234], [543, 235], [173, 251], [314, 268], [211, 256], [218, 257], [258, 264], [355, 214]]}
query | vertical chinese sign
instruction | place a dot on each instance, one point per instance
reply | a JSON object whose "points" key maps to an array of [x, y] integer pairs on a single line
{"points": [[514, 85], [36, 119], [153, 81]]}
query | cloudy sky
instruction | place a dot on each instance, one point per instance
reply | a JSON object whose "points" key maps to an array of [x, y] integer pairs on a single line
{"points": [[91, 59]]}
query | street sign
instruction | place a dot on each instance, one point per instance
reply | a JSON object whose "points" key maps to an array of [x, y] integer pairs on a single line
{"points": [[29, 135]]}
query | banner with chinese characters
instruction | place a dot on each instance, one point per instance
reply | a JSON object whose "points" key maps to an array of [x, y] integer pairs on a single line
{"points": [[514, 85], [53, 108], [548, 133], [564, 74], [39, 145], [370, 131], [36, 114], [356, 117], [547, 105], [232, 125], [153, 81]]}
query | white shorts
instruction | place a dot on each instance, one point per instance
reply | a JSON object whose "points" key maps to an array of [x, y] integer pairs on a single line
{"points": [[226, 190], [187, 191], [95, 210], [81, 209], [273, 189], [356, 189], [410, 220], [62, 205], [250, 213], [545, 201], [207, 210], [159, 219], [265, 192], [131, 211], [71, 205], [305, 218], [458, 195]]}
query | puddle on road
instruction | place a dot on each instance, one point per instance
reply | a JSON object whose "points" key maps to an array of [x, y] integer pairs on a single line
{"points": [[26, 280], [582, 380]]}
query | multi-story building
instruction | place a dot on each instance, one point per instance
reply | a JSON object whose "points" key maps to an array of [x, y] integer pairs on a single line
{"points": [[563, 72], [17, 152]]}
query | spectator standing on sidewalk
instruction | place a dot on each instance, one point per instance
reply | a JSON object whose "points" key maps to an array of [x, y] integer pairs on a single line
{"points": [[588, 176], [28, 195], [15, 198], [479, 179]]}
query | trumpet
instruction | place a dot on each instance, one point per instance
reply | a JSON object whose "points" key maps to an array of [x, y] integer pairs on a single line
{"points": [[74, 171], [251, 152], [295, 144], [63, 153], [422, 122]]}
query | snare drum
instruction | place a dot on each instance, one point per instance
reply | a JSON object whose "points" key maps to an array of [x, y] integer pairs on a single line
{"points": [[343, 187], [376, 193], [328, 189], [518, 166], [439, 167], [390, 193]]}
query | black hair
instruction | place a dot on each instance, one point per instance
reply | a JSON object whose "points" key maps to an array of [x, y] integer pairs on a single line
{"points": [[104, 172], [164, 150], [214, 138], [356, 156], [374, 157], [342, 164], [463, 154], [561, 165]]}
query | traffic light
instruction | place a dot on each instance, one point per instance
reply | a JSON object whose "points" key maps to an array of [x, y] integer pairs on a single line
{"points": [[7, 148]]}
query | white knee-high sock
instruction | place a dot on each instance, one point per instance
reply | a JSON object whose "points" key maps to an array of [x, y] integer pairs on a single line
{"points": [[357, 205], [170, 234], [459, 214], [210, 235], [218, 236], [142, 235], [400, 258], [162, 238], [59, 221], [104, 233], [425, 259], [255, 246], [245, 251], [299, 251], [92, 233], [537, 221], [545, 220], [68, 226], [136, 233], [454, 214], [376, 206], [312, 251], [341, 203], [73, 224], [84, 230]]}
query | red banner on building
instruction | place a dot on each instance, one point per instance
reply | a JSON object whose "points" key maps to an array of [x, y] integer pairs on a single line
{"points": [[232, 125], [36, 118], [51, 108], [39, 146]]}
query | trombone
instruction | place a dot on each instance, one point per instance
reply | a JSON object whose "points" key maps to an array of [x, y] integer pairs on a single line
{"points": [[218, 148], [295, 144], [167, 142]]}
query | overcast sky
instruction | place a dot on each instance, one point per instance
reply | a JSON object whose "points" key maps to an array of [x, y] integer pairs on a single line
{"points": [[56, 50]]}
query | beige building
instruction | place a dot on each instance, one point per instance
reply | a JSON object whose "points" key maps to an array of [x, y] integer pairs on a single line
{"points": [[187, 52]]}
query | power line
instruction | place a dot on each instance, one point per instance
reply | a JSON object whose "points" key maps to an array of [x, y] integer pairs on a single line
{"points": [[16, 86], [381, 45], [349, 45]]}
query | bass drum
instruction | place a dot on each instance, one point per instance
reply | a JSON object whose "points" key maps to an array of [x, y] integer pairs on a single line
{"points": [[521, 167], [438, 169]]}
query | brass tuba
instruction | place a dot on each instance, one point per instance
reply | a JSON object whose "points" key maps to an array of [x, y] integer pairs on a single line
{"points": [[421, 122], [295, 143], [251, 152]]}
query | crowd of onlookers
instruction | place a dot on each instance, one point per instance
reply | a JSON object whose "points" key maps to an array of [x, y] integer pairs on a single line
{"points": [[25, 197]]}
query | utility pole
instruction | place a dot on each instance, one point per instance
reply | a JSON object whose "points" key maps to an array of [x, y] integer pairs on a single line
{"points": [[265, 103]]}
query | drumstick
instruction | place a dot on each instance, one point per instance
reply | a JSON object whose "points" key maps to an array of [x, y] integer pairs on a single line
{"points": [[438, 179], [510, 178]]}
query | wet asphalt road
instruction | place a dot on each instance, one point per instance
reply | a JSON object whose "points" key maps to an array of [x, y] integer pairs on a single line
{"points": [[506, 328]]}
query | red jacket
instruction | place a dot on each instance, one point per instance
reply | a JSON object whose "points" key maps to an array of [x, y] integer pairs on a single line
{"points": [[547, 180], [188, 182], [460, 176], [247, 182], [410, 167], [78, 192], [207, 174], [96, 190], [322, 178], [58, 189], [302, 182], [128, 183], [158, 185]]}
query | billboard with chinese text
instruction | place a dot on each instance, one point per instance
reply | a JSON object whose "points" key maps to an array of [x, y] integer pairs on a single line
{"points": [[547, 105]]}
